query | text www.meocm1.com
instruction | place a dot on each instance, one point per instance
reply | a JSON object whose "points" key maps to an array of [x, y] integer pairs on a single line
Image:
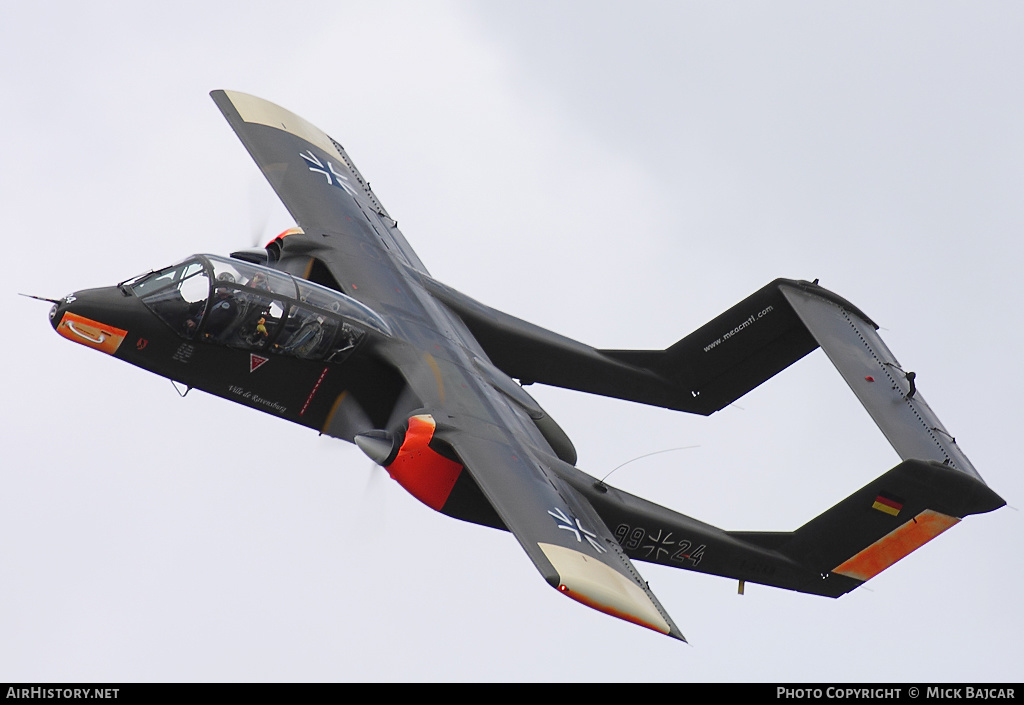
{"points": [[750, 321], [63, 693]]}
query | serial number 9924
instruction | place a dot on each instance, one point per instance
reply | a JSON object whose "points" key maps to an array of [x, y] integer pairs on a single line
{"points": [[658, 546]]}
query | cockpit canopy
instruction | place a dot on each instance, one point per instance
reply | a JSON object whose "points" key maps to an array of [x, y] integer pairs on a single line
{"points": [[221, 300]]}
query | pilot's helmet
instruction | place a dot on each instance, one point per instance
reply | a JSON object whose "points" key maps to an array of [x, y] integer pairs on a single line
{"points": [[226, 278]]}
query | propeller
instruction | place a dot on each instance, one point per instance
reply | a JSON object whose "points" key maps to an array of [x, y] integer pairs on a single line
{"points": [[378, 445], [259, 238], [259, 213], [349, 419], [351, 422], [381, 444], [405, 406]]}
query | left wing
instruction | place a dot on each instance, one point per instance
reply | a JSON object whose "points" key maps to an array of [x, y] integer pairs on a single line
{"points": [[558, 528], [346, 227], [299, 159]]}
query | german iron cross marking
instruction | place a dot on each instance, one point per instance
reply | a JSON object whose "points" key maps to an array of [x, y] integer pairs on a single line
{"points": [[332, 176]]}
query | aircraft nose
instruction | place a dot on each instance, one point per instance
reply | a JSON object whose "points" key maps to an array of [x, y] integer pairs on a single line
{"points": [[58, 309], [85, 317]]}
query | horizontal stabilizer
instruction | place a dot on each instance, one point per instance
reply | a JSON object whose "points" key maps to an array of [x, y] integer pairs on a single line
{"points": [[881, 523], [935, 486]]}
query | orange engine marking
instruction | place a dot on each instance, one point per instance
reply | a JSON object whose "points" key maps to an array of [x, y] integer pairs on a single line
{"points": [[896, 545], [90, 333], [424, 473]]}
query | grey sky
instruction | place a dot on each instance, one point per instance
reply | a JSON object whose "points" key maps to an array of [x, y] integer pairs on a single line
{"points": [[619, 173]]}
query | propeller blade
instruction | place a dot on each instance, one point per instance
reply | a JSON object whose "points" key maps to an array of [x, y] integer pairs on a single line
{"points": [[349, 419], [259, 213], [406, 405]]}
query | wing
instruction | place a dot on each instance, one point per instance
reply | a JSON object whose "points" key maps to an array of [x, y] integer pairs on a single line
{"points": [[312, 175], [347, 229], [557, 527]]}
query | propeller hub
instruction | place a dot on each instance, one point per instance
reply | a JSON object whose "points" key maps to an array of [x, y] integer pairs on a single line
{"points": [[378, 445]]}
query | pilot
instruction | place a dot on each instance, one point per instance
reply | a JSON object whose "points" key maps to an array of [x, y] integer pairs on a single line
{"points": [[259, 281], [223, 309], [193, 314], [346, 340], [307, 337], [182, 315]]}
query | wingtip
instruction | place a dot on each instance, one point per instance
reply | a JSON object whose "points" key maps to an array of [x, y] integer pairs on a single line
{"points": [[676, 634], [673, 630]]}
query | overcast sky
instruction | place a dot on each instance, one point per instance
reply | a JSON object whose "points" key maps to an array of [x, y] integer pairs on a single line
{"points": [[620, 173]]}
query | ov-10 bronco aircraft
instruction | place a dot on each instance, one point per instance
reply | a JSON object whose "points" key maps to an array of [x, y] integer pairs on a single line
{"points": [[338, 326]]}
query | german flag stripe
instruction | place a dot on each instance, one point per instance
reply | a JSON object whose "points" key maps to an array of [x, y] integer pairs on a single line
{"points": [[886, 504]]}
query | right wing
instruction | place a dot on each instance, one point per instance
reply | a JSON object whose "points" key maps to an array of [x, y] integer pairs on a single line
{"points": [[557, 527]]}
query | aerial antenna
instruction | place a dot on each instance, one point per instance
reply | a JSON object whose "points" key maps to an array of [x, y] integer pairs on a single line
{"points": [[40, 298], [604, 488]]}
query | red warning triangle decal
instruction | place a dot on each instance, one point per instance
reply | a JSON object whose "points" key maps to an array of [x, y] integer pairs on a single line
{"points": [[255, 362]]}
